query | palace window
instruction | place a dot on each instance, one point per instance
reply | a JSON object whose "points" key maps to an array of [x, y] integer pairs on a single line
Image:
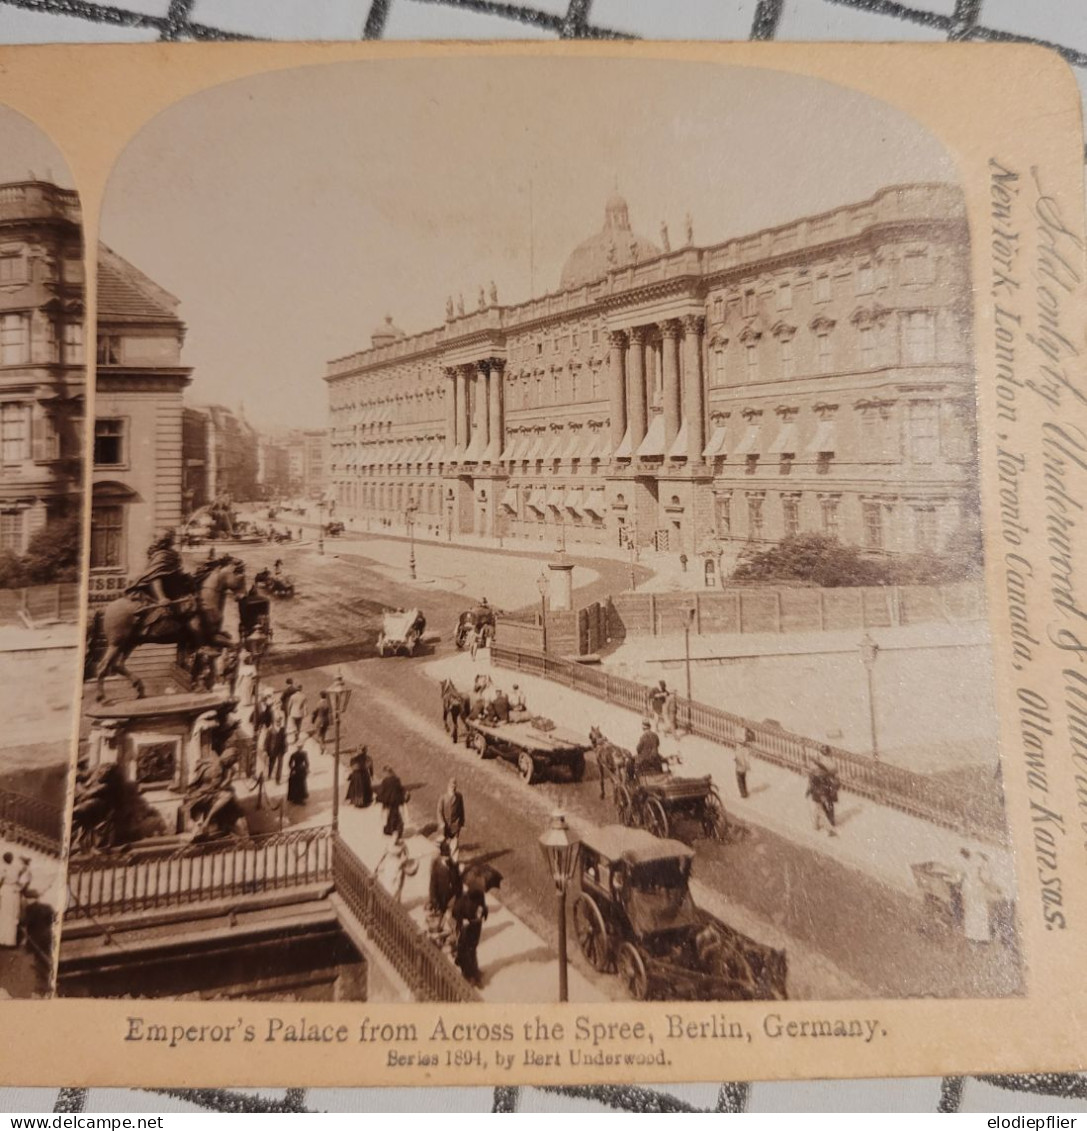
{"points": [[109, 442], [719, 376], [924, 529], [595, 381], [14, 339], [917, 268], [109, 349], [822, 288], [829, 507], [14, 432], [718, 309], [574, 339], [787, 367], [556, 386], [864, 279], [923, 432], [11, 531], [751, 303], [920, 337], [107, 535], [752, 357], [12, 268], [573, 384], [824, 353], [754, 519], [722, 515], [785, 296], [790, 509], [596, 336], [866, 337], [872, 513]]}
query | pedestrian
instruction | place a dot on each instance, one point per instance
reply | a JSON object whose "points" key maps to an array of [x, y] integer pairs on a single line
{"points": [[285, 695], [296, 716], [445, 889], [977, 894], [469, 913], [360, 783], [451, 816], [647, 754], [276, 745], [743, 761], [670, 711], [656, 704], [395, 866], [322, 719], [392, 796], [297, 778], [823, 791], [10, 902], [245, 684]]}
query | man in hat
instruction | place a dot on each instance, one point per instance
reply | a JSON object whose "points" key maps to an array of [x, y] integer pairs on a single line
{"points": [[451, 816], [822, 791], [647, 754], [657, 698], [391, 795], [445, 887], [518, 706]]}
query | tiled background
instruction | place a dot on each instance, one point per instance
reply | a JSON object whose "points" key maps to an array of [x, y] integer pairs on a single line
{"points": [[1061, 24]]}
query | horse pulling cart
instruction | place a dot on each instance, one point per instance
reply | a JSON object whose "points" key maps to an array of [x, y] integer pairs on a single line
{"points": [[401, 632], [535, 751], [634, 914]]}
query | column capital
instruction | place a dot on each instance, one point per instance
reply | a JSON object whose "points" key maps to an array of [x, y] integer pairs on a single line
{"points": [[670, 328], [638, 335], [617, 338], [693, 324]]}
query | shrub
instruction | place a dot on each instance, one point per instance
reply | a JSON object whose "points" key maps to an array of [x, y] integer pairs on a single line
{"points": [[53, 553]]}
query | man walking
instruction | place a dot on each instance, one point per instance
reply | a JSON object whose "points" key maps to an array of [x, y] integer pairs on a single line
{"points": [[656, 704], [743, 761], [322, 719], [391, 795], [296, 715], [451, 816]]}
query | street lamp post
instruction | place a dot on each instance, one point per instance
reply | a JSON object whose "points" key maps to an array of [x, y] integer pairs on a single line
{"points": [[687, 626], [321, 526], [560, 845], [544, 587], [409, 515], [869, 652], [339, 695]]}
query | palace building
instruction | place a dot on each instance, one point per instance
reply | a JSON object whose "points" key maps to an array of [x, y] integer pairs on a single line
{"points": [[816, 376]]}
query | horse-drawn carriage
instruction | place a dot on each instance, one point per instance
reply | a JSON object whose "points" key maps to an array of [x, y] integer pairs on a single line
{"points": [[634, 914], [475, 626], [401, 631], [662, 802], [537, 752]]}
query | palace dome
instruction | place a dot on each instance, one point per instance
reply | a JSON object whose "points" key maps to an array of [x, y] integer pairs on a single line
{"points": [[615, 245], [386, 333]]}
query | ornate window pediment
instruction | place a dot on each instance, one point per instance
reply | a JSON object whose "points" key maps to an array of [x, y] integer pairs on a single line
{"points": [[873, 315], [820, 324], [752, 332], [783, 331]]}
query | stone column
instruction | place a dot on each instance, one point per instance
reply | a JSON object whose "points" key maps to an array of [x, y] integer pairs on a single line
{"points": [[617, 386], [460, 388], [636, 409], [451, 421], [497, 432], [670, 390], [694, 399], [481, 407]]}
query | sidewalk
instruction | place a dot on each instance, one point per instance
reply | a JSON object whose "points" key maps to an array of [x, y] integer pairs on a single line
{"points": [[879, 841], [516, 963]]}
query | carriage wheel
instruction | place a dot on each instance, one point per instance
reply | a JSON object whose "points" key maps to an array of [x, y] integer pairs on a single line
{"points": [[592, 933], [631, 969], [714, 821], [624, 805], [526, 767], [478, 742], [654, 818]]}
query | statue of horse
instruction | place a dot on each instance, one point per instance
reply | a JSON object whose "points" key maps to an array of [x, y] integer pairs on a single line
{"points": [[455, 707], [192, 623], [612, 761], [109, 811]]}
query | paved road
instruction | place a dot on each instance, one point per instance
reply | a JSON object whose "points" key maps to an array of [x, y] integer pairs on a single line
{"points": [[847, 934]]}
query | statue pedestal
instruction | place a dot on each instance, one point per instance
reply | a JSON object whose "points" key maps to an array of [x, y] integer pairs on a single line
{"points": [[561, 589]]}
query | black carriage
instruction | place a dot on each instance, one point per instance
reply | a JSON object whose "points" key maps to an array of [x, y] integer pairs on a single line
{"points": [[477, 624], [634, 914], [535, 751], [254, 620]]}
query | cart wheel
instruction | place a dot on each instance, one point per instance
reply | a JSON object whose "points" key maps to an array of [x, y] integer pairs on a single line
{"points": [[478, 742], [654, 818], [624, 805], [714, 821], [577, 769], [630, 966], [592, 933], [526, 767]]}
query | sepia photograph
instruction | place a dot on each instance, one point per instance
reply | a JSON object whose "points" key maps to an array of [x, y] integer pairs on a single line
{"points": [[536, 549], [42, 413]]}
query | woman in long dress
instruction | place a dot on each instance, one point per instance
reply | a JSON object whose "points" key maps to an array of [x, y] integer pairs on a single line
{"points": [[297, 778], [10, 900]]}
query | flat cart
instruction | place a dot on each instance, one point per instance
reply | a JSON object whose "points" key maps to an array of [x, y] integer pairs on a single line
{"points": [[634, 914], [535, 751], [401, 632]]}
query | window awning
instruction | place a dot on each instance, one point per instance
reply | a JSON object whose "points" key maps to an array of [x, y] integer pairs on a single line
{"points": [[555, 447], [825, 438], [653, 444], [513, 442], [749, 442], [537, 501], [509, 499], [575, 500], [556, 497], [785, 441], [575, 449], [411, 453], [596, 502], [716, 444], [679, 444], [598, 446], [534, 445], [623, 451]]}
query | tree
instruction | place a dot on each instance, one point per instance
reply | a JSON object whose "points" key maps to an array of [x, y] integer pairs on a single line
{"points": [[53, 553]]}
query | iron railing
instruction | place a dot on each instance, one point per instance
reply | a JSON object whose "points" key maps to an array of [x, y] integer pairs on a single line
{"points": [[102, 886], [901, 789], [31, 821], [426, 969]]}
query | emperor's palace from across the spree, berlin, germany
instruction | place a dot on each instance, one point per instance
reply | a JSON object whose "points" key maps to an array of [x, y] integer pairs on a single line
{"points": [[816, 376]]}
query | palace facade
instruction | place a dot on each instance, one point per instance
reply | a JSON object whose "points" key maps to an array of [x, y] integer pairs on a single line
{"points": [[816, 376]]}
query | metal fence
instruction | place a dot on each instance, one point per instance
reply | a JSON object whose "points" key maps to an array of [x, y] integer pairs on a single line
{"points": [[106, 885], [916, 794], [30, 821], [426, 969]]}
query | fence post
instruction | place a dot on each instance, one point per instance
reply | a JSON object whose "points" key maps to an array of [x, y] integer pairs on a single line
{"points": [[777, 608], [653, 614], [739, 610], [698, 613], [58, 601], [899, 617], [822, 610]]}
